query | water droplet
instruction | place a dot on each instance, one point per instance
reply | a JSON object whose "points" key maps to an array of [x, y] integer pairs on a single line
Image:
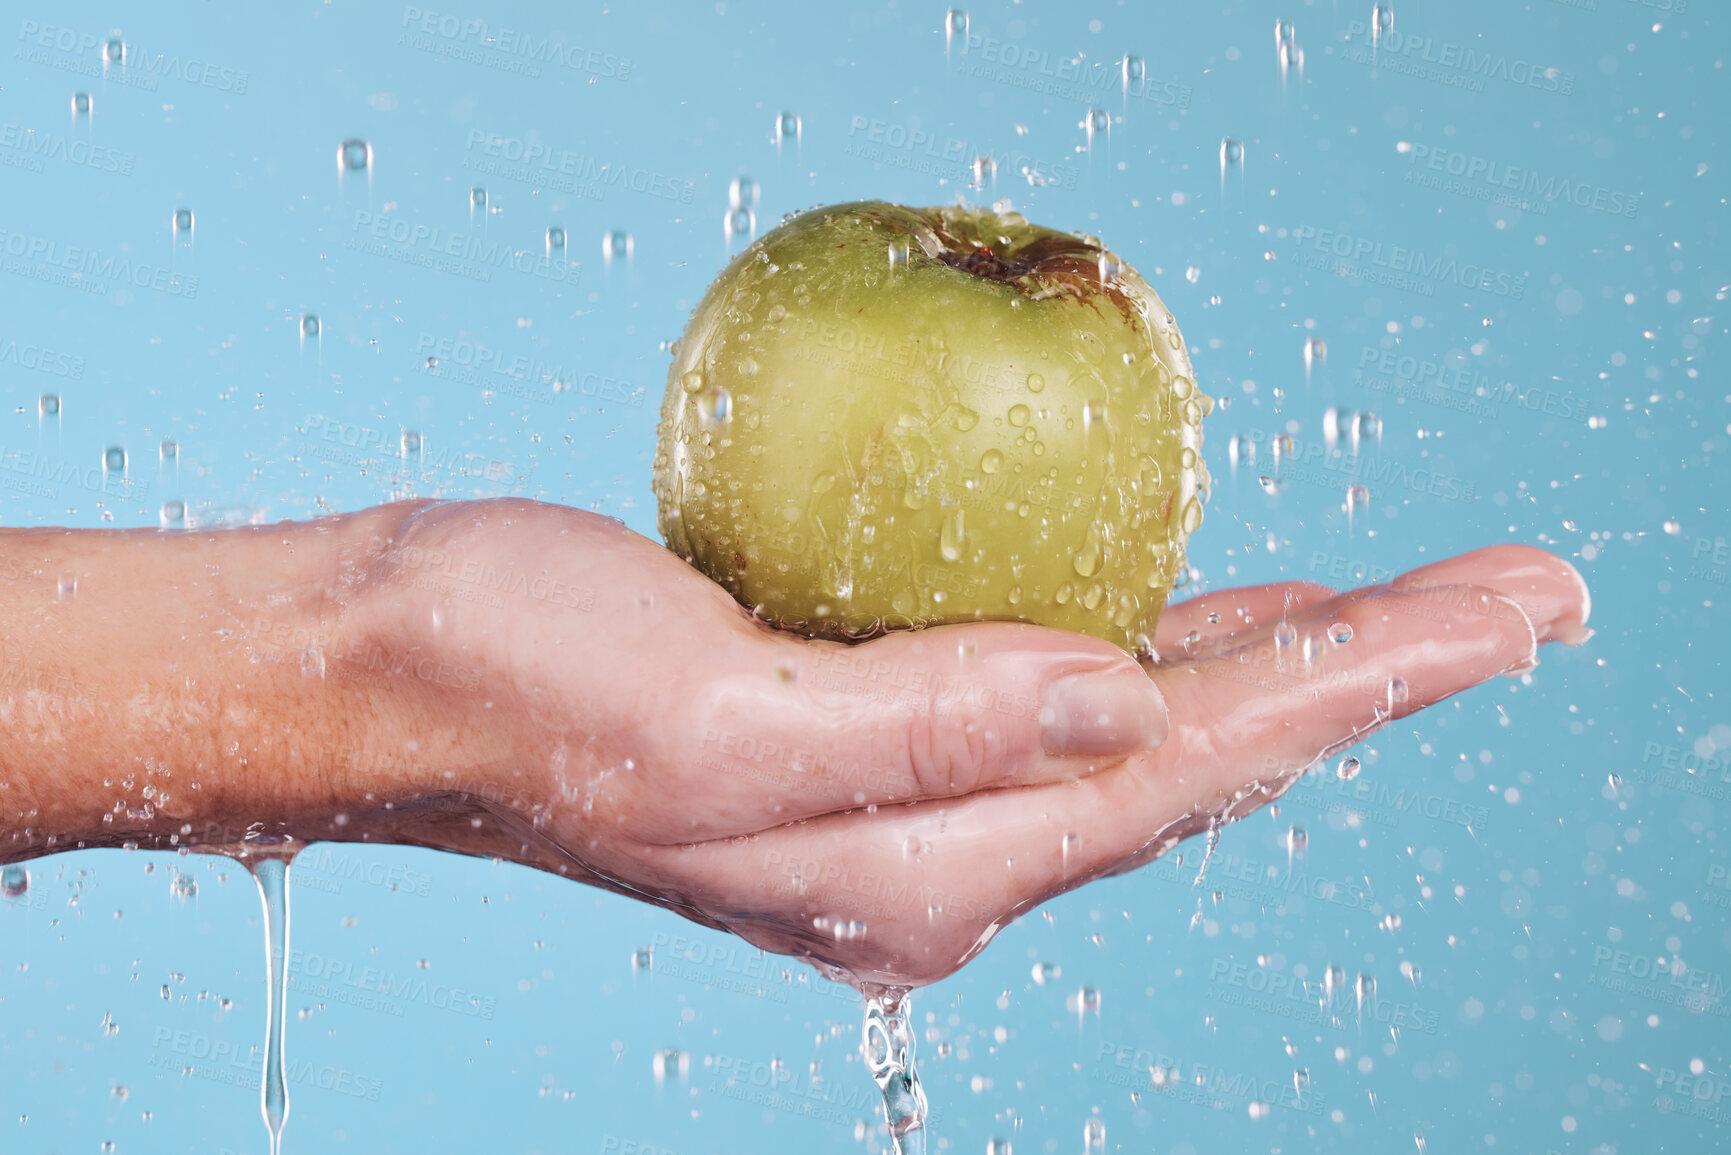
{"points": [[1614, 779], [1064, 594], [787, 127], [168, 451], [67, 588], [1347, 770], [990, 460], [1241, 450], [691, 381], [1410, 972], [1259, 1110], [555, 238], [952, 537], [172, 515], [1315, 352], [1381, 20], [183, 220], [1044, 973], [965, 418], [1019, 415], [1340, 632], [1087, 560], [14, 882], [998, 1147], [1093, 1137], [114, 459], [955, 26], [1192, 520], [1365, 988], [114, 51], [411, 443], [1333, 982], [642, 960], [48, 405], [742, 193], [81, 103], [1366, 427], [309, 325], [1297, 840], [716, 405], [1096, 122], [477, 198], [617, 243], [1193, 274], [1397, 691], [1036, 382], [985, 171], [1231, 153], [1111, 270], [1088, 1001], [739, 222], [354, 155], [1133, 70], [1357, 498]]}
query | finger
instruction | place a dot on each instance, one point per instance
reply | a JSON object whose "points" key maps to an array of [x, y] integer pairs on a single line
{"points": [[1204, 620], [928, 883], [807, 728]]}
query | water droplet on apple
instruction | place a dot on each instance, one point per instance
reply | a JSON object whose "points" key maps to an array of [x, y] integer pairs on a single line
{"points": [[716, 405], [898, 254], [1019, 415], [990, 460], [1036, 382], [1192, 516], [1087, 559], [952, 537], [965, 418], [692, 381], [1064, 593]]}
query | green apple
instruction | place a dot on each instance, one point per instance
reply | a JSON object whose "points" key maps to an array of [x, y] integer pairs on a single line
{"points": [[883, 417]]}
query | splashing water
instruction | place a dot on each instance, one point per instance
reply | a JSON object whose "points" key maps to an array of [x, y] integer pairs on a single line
{"points": [[272, 877], [887, 1042]]}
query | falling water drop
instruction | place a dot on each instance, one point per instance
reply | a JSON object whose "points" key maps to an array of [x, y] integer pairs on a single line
{"points": [[739, 222], [113, 52], [1098, 122], [1366, 426], [168, 451], [182, 886], [81, 104], [271, 874], [985, 172], [183, 221], [172, 515], [355, 155], [411, 444], [955, 25], [1134, 72], [742, 193], [48, 405], [1365, 989], [114, 459], [1193, 274], [1333, 982], [1093, 1137], [617, 244], [478, 199], [1241, 450], [555, 241], [787, 128], [1357, 497], [309, 326], [14, 882], [1231, 157], [888, 1047], [1315, 352], [1381, 22]]}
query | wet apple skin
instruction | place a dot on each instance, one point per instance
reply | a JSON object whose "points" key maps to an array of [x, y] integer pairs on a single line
{"points": [[852, 442]]}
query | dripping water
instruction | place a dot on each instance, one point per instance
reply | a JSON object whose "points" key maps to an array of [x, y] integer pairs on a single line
{"points": [[887, 1043], [271, 874]]}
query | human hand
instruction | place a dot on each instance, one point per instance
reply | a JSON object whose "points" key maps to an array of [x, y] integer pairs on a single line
{"points": [[883, 809]]}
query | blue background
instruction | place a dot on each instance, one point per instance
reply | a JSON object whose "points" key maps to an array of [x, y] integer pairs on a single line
{"points": [[1548, 845]]}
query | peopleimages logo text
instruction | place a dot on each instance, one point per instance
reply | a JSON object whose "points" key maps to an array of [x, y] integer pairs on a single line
{"points": [[134, 61], [1382, 263], [1495, 174], [1404, 47]]}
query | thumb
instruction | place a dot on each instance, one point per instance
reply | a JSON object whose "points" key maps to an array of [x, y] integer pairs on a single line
{"points": [[942, 712]]}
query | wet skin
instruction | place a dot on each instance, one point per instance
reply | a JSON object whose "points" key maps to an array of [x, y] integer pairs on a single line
{"points": [[539, 683]]}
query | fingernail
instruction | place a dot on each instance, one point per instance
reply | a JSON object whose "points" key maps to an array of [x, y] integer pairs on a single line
{"points": [[1102, 713]]}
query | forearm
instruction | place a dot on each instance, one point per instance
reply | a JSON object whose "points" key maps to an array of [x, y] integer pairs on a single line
{"points": [[168, 688]]}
